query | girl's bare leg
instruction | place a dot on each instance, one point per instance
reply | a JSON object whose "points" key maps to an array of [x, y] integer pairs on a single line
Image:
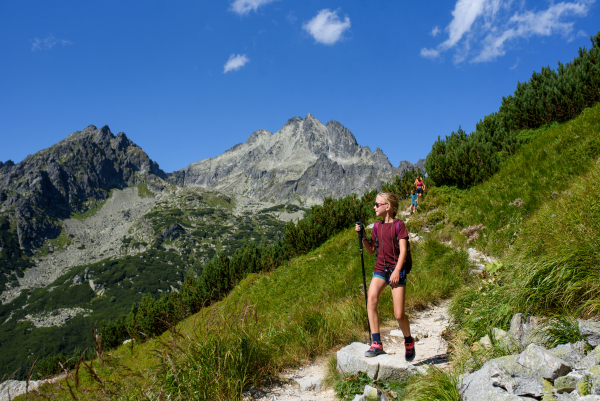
{"points": [[398, 297], [375, 289]]}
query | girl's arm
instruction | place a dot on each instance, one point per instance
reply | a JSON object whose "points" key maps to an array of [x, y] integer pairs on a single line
{"points": [[403, 242], [395, 277]]}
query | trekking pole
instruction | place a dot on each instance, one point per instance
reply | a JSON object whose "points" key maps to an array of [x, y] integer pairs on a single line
{"points": [[362, 261]]}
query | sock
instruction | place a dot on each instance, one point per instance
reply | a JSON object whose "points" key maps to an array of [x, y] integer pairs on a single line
{"points": [[408, 339], [376, 337]]}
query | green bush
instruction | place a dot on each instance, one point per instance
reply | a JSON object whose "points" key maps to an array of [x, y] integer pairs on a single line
{"points": [[549, 96]]}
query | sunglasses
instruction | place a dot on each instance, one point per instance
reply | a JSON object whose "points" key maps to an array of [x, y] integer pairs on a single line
{"points": [[379, 204]]}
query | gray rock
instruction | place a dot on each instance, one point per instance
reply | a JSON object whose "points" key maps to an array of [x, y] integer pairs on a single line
{"points": [[567, 396], [524, 331], [309, 383], [477, 387], [172, 232], [360, 397], [592, 375], [565, 384], [486, 341], [573, 354], [543, 363], [591, 331], [351, 359], [10, 389], [589, 398], [370, 392], [517, 326], [592, 359], [517, 379]]}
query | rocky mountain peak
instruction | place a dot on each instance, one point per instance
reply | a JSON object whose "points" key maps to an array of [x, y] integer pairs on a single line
{"points": [[63, 179], [293, 121], [259, 135], [305, 159]]}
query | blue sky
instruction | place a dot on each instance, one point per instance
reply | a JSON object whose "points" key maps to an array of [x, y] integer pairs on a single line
{"points": [[187, 80]]}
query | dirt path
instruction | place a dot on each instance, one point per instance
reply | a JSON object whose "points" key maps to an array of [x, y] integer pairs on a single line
{"points": [[431, 349]]}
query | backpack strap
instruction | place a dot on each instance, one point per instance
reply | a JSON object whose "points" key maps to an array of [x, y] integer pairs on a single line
{"points": [[376, 236]]}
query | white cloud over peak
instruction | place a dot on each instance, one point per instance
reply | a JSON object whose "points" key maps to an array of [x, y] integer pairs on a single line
{"points": [[243, 7], [235, 63], [48, 43], [326, 27], [483, 30]]}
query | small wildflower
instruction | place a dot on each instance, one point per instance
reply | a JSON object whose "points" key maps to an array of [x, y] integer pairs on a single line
{"points": [[517, 202], [472, 233]]}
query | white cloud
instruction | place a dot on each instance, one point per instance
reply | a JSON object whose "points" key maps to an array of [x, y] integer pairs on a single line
{"points": [[516, 64], [243, 7], [326, 27], [464, 15], [435, 31], [48, 43], [235, 63], [430, 53], [483, 30]]}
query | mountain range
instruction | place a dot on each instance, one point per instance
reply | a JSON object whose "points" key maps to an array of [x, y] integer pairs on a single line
{"points": [[92, 224], [305, 160]]}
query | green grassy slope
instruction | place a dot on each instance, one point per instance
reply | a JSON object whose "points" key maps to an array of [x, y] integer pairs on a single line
{"points": [[536, 174], [553, 268], [540, 213], [274, 320]]}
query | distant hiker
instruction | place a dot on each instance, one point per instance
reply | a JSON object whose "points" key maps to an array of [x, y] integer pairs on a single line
{"points": [[390, 240], [420, 187], [414, 201]]}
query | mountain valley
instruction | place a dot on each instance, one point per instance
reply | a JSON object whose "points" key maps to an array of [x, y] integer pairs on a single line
{"points": [[91, 225]]}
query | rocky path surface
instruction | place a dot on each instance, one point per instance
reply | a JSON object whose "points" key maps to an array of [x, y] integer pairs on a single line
{"points": [[95, 238], [427, 326]]}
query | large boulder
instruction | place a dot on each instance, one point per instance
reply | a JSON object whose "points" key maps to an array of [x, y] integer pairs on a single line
{"points": [[477, 387], [351, 359], [515, 378], [543, 363]]}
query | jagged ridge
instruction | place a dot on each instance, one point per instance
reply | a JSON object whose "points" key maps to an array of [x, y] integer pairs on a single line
{"points": [[304, 160], [60, 180]]}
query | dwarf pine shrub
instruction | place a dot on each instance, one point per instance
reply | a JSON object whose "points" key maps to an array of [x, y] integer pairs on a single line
{"points": [[549, 96]]}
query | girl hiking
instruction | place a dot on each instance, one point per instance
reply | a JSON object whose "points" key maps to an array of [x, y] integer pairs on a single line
{"points": [[420, 187], [390, 240]]}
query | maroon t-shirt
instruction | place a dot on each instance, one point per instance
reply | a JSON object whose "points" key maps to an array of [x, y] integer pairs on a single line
{"points": [[389, 249]]}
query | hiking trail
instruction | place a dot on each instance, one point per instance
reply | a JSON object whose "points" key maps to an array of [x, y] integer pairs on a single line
{"points": [[431, 349]]}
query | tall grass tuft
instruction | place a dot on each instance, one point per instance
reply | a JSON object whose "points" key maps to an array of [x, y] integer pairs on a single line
{"points": [[436, 385], [561, 329], [553, 268]]}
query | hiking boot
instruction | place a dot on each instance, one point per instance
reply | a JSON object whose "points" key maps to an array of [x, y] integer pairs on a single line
{"points": [[410, 351], [376, 349]]}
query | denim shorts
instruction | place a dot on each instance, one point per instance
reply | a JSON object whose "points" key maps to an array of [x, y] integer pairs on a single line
{"points": [[387, 280]]}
